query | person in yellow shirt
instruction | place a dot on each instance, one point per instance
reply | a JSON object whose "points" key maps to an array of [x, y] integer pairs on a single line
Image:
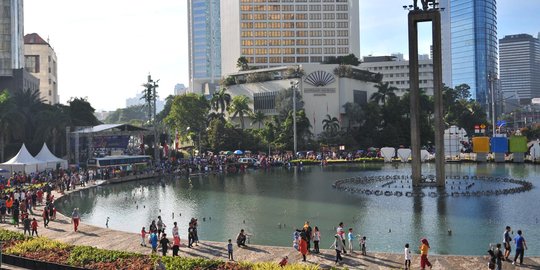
{"points": [[424, 253]]}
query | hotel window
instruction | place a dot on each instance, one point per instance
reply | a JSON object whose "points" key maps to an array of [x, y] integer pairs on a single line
{"points": [[302, 59], [274, 7], [260, 25], [260, 42], [342, 8], [329, 42], [247, 51], [343, 50], [301, 51], [329, 50], [288, 42], [247, 34], [301, 25], [315, 24], [288, 50], [260, 51], [246, 42], [259, 8], [301, 16], [315, 42], [316, 33], [287, 34], [301, 8], [343, 42], [316, 59], [274, 25], [259, 17], [288, 17], [272, 17], [246, 25], [316, 50], [315, 16], [31, 63], [287, 8], [314, 8], [328, 7], [342, 16], [246, 8], [288, 59], [301, 42], [274, 42], [301, 33], [329, 33], [275, 50], [275, 60], [261, 60], [343, 24], [329, 25], [342, 33], [260, 33], [288, 25], [329, 16], [247, 16]]}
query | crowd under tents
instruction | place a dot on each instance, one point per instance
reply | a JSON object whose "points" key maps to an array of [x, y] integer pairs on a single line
{"points": [[23, 161]]}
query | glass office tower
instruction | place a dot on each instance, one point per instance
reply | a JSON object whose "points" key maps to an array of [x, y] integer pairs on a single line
{"points": [[474, 45], [204, 44]]}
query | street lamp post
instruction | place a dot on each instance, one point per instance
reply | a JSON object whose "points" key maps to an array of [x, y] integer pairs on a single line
{"points": [[491, 79], [294, 86]]}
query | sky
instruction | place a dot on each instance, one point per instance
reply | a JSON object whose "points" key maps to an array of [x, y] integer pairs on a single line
{"points": [[107, 48]]}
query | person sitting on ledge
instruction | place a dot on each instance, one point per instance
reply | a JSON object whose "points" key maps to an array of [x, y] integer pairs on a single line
{"points": [[241, 239]]}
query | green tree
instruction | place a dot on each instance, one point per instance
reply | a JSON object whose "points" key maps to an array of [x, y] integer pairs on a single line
{"points": [[221, 100], [81, 112], [284, 102], [384, 92], [240, 107], [166, 109], [258, 118], [12, 122], [124, 115], [349, 59], [331, 124], [188, 111], [242, 63]]}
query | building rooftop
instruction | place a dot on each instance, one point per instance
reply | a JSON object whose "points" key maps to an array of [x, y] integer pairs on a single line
{"points": [[34, 39]]}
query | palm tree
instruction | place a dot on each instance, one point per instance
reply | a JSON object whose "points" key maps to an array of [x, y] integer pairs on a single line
{"points": [[240, 107], [258, 117], [354, 113], [330, 124], [11, 121], [242, 63], [221, 100], [385, 92]]}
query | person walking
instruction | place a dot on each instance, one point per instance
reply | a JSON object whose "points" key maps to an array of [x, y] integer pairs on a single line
{"points": [[154, 241], [424, 248], [499, 257], [507, 239], [26, 224], [309, 232], [303, 246], [165, 244], [176, 245], [338, 246], [190, 235], [45, 217], [160, 226], [407, 253], [230, 250], [34, 227], [521, 246], [143, 237], [316, 239], [350, 237], [75, 218], [341, 233]]}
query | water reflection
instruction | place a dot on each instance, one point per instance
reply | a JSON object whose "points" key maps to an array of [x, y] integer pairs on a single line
{"points": [[260, 200]]}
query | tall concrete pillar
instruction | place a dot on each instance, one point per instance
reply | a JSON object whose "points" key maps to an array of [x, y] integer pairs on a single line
{"points": [[433, 16]]}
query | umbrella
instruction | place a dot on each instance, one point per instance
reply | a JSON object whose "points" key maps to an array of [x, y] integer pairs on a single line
{"points": [[372, 149], [238, 152]]}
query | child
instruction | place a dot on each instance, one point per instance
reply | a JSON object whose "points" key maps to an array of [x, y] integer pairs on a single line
{"points": [[363, 245], [284, 261], [143, 236], [296, 238], [316, 239], [176, 245], [338, 246], [34, 227], [407, 257], [350, 236], [230, 250]]}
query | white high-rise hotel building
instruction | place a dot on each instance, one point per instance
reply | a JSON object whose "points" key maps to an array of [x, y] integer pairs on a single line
{"points": [[285, 32]]}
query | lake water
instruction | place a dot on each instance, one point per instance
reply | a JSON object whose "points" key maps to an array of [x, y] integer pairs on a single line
{"points": [[259, 200]]}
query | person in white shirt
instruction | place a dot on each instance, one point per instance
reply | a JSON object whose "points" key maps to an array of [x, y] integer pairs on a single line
{"points": [[407, 253]]}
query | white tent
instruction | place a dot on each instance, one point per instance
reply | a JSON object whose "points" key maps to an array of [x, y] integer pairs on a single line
{"points": [[50, 159], [23, 161]]}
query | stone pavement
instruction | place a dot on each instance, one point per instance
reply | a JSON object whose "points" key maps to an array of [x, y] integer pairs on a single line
{"points": [[61, 229]]}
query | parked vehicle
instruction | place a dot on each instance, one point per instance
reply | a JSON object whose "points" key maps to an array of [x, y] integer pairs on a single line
{"points": [[251, 162]]}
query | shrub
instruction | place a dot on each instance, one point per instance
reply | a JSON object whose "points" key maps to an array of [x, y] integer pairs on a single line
{"points": [[82, 255], [35, 244], [6, 235]]}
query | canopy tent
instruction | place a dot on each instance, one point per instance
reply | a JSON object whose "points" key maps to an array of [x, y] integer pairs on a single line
{"points": [[23, 161], [50, 159]]}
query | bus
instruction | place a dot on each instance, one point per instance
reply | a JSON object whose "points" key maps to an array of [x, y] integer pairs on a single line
{"points": [[118, 161]]}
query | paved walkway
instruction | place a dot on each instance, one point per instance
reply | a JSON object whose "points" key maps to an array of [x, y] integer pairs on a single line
{"points": [[61, 229]]}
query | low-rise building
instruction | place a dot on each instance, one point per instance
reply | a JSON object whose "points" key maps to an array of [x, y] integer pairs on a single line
{"points": [[325, 88], [40, 60]]}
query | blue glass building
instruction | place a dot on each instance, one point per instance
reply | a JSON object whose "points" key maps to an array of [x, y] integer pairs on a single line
{"points": [[474, 53], [204, 44]]}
